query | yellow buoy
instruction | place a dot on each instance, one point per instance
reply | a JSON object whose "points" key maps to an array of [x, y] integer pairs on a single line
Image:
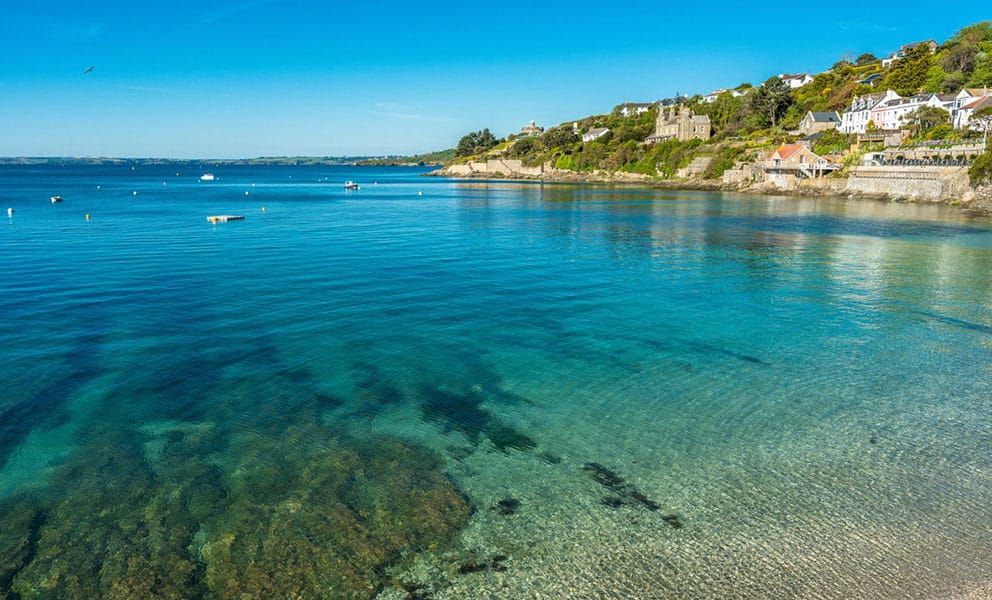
{"points": [[263, 209], [87, 216]]}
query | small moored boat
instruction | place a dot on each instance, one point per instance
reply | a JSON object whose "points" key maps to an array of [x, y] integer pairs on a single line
{"points": [[56, 199], [350, 185], [207, 177]]}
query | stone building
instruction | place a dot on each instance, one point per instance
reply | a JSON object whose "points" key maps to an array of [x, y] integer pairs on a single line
{"points": [[815, 122], [682, 125], [531, 129]]}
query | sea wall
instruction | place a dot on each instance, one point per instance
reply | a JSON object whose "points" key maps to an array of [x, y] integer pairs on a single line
{"points": [[930, 184], [497, 166]]}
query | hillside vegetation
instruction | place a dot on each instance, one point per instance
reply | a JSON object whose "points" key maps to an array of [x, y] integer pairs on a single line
{"points": [[755, 120]]}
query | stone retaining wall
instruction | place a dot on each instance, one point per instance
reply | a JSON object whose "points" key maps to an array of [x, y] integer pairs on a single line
{"points": [[494, 167], [931, 184]]}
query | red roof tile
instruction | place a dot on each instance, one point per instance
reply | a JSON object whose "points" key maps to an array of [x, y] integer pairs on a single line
{"points": [[788, 150]]}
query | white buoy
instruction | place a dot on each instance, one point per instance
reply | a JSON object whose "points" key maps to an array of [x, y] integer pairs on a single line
{"points": [[246, 193], [10, 212], [420, 193], [134, 193]]}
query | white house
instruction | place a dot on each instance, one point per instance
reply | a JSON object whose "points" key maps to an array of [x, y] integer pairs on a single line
{"points": [[962, 110], [628, 109], [712, 96], [855, 119], [891, 114], [963, 114], [969, 95], [595, 134], [795, 81]]}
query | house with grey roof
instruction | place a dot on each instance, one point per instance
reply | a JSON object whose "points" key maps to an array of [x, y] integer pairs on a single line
{"points": [[595, 134], [815, 122]]}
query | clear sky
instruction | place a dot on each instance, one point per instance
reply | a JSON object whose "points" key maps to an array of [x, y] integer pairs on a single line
{"points": [[249, 78]]}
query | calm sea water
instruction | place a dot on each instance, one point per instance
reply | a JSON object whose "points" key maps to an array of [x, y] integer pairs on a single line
{"points": [[427, 388]]}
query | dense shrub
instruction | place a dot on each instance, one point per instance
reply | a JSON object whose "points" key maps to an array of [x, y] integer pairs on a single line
{"points": [[981, 168]]}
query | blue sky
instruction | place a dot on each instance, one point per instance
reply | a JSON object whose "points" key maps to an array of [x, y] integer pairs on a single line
{"points": [[292, 77]]}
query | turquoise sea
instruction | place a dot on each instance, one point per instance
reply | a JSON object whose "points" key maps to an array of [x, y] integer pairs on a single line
{"points": [[429, 388]]}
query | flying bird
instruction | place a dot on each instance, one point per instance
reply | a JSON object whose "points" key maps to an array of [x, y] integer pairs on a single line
{"points": [[89, 70]]}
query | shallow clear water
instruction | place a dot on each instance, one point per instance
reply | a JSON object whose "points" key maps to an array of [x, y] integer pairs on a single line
{"points": [[519, 390]]}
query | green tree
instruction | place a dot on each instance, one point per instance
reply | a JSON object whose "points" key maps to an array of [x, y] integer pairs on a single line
{"points": [[960, 58], [908, 75], [865, 59], [524, 147], [925, 118], [972, 35], [981, 168], [476, 142], [770, 101], [726, 113], [562, 136]]}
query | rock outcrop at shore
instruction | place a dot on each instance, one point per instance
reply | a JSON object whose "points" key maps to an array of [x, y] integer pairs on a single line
{"points": [[940, 188]]}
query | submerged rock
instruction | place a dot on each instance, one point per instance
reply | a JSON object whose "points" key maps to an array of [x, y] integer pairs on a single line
{"points": [[306, 512]]}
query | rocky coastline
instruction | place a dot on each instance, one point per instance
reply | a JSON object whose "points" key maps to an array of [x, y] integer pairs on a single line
{"points": [[976, 201]]}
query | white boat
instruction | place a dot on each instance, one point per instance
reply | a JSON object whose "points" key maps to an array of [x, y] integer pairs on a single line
{"points": [[207, 177], [350, 185], [56, 199]]}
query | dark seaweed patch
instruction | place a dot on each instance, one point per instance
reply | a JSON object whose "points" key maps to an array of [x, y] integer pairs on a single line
{"points": [[371, 400], [48, 406], [472, 567], [461, 412], [505, 438], [494, 563], [673, 521], [506, 506], [623, 491], [20, 529]]}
